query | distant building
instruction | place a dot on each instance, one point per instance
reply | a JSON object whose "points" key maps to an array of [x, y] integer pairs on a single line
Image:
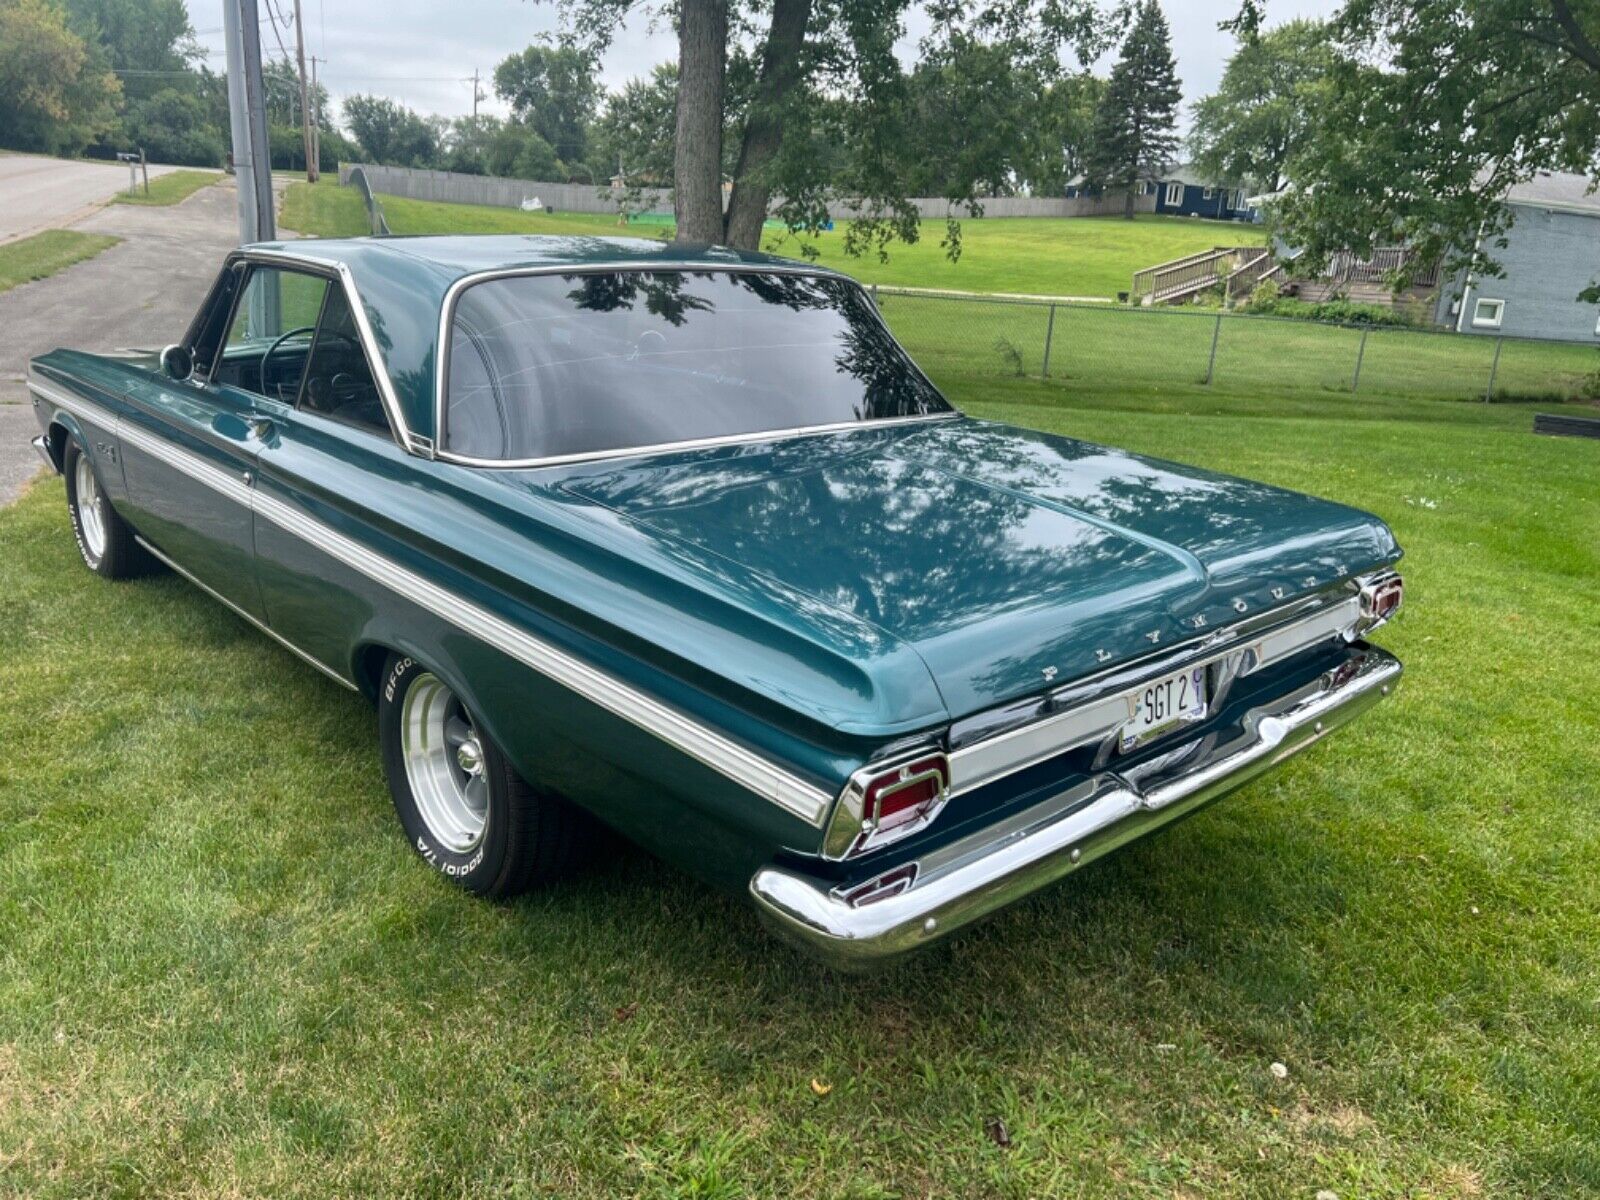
{"points": [[1552, 253], [1180, 191]]}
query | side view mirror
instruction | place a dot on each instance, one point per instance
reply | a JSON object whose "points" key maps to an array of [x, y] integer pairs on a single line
{"points": [[177, 362]]}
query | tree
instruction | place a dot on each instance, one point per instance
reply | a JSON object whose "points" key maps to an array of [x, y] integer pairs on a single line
{"points": [[282, 84], [390, 133], [149, 41], [1434, 109], [1263, 112], [516, 149], [56, 94], [174, 126], [1135, 125], [633, 134], [823, 74], [552, 89]]}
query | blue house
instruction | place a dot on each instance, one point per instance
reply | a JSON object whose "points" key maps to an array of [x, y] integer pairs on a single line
{"points": [[1181, 192]]}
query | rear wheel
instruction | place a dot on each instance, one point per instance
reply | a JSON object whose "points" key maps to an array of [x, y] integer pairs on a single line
{"points": [[104, 539], [464, 809]]}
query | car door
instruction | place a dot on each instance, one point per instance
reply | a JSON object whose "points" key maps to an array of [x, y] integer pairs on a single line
{"points": [[331, 457], [190, 446]]}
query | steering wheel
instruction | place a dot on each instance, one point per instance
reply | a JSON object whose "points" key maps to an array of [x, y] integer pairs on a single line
{"points": [[273, 349], [327, 333]]}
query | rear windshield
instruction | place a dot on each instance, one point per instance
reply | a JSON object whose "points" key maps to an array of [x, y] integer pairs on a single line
{"points": [[548, 365]]}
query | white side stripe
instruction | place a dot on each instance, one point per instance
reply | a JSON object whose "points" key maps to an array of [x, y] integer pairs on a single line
{"points": [[740, 764]]}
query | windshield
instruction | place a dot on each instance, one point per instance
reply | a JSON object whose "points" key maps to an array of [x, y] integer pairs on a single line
{"points": [[543, 366]]}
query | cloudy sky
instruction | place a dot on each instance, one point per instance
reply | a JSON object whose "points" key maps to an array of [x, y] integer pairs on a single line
{"points": [[423, 53]]}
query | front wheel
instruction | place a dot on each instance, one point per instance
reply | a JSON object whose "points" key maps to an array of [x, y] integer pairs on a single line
{"points": [[463, 808], [104, 539]]}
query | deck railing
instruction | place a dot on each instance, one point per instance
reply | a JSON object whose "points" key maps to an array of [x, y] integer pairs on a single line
{"points": [[1188, 275], [1382, 266]]}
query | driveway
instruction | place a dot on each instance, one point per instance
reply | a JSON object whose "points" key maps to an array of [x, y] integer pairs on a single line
{"points": [[140, 293], [46, 193]]}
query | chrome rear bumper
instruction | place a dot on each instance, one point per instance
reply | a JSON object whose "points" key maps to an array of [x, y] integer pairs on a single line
{"points": [[958, 884]]}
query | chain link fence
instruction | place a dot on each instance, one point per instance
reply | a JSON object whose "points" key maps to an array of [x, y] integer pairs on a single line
{"points": [[1107, 345]]}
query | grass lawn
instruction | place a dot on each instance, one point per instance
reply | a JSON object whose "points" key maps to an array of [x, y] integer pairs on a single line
{"points": [[1150, 350], [1169, 350], [1093, 256], [44, 254], [171, 188], [222, 970]]}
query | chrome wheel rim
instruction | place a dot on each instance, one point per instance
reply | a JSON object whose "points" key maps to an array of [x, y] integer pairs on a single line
{"points": [[87, 491], [444, 764]]}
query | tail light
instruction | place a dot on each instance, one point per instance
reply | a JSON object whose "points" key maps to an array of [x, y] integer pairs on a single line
{"points": [[1380, 600], [882, 804]]}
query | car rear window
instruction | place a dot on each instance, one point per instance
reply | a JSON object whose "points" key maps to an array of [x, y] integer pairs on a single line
{"points": [[546, 366]]}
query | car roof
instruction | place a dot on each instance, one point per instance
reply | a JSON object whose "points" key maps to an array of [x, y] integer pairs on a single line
{"points": [[458, 255], [403, 282]]}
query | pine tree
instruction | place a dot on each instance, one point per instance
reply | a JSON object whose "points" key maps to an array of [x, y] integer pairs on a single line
{"points": [[1135, 125]]}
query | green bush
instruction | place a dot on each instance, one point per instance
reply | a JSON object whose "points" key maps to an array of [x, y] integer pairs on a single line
{"points": [[1268, 303]]}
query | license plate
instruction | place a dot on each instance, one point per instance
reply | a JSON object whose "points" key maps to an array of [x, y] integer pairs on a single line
{"points": [[1164, 703]]}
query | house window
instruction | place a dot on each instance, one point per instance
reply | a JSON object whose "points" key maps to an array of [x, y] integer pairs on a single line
{"points": [[1174, 194], [1206, 195], [1489, 313]]}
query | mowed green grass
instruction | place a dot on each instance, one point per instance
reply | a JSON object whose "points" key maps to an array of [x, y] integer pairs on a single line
{"points": [[1091, 346], [1170, 350], [170, 188], [43, 254], [1093, 257], [222, 971]]}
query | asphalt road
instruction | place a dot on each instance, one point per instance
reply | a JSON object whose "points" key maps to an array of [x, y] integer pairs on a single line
{"points": [[47, 193], [140, 293]]}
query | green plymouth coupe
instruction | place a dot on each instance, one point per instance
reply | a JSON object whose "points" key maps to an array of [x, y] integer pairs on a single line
{"points": [[681, 538]]}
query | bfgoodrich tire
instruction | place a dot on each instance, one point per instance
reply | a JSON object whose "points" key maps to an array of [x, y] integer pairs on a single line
{"points": [[464, 810], [104, 539]]}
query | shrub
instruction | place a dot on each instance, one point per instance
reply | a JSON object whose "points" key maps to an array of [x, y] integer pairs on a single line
{"points": [[1345, 312]]}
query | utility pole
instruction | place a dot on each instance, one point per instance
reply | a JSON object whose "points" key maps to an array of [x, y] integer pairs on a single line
{"points": [[475, 97], [247, 120], [305, 107], [316, 120]]}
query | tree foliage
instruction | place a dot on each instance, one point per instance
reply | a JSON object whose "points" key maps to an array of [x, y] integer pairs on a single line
{"points": [[1434, 109], [390, 133], [1135, 124], [174, 126], [807, 101], [56, 92], [554, 91], [984, 121], [1263, 112]]}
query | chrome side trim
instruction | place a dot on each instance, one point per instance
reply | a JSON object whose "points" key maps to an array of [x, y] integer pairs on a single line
{"points": [[277, 637], [860, 926], [442, 367], [744, 766], [1098, 718], [737, 762]]}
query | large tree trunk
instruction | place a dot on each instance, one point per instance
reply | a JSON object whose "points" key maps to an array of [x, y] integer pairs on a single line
{"points": [[697, 155], [763, 130], [1127, 203]]}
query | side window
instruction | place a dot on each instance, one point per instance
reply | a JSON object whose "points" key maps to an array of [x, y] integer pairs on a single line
{"points": [[339, 382], [270, 337]]}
